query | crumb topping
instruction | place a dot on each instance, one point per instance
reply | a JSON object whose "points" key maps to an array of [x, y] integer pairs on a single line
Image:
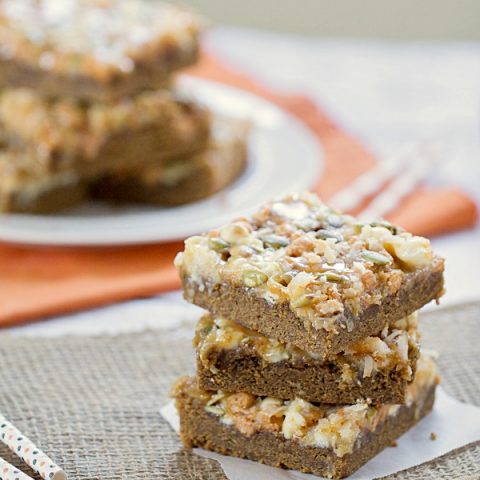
{"points": [[77, 129], [391, 350], [300, 251], [97, 38], [336, 428]]}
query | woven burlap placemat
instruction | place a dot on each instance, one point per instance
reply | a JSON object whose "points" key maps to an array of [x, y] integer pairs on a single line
{"points": [[93, 402]]}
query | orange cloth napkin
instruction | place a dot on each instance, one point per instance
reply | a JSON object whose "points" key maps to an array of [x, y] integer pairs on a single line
{"points": [[37, 282]]}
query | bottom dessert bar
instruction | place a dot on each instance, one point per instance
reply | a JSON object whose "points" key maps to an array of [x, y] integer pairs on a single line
{"points": [[327, 441]]}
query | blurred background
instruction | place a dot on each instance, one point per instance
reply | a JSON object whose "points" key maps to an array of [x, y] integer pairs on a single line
{"points": [[395, 19]]}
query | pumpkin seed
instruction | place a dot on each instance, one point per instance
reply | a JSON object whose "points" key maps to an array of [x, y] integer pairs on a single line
{"points": [[357, 228], [375, 257], [283, 278], [206, 330], [215, 398], [302, 301], [386, 225], [215, 410], [371, 412], [217, 244], [275, 241], [326, 234], [335, 277]]}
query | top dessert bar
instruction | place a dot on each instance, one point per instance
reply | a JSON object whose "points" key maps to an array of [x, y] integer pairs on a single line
{"points": [[94, 49], [302, 273]]}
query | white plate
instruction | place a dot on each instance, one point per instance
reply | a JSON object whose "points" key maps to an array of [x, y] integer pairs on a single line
{"points": [[283, 157]]}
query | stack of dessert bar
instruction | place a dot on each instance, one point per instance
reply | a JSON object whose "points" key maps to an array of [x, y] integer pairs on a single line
{"points": [[89, 107], [308, 358]]}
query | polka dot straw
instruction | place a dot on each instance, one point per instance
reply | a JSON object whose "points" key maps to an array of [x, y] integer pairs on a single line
{"points": [[9, 472], [29, 453]]}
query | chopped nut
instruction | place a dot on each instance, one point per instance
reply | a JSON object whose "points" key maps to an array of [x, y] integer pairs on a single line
{"points": [[237, 402], [414, 251], [433, 436], [235, 232], [299, 246]]}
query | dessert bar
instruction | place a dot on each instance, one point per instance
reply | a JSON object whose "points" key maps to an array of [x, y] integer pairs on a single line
{"points": [[295, 434], [376, 369], [94, 49], [65, 134], [27, 185], [302, 273]]}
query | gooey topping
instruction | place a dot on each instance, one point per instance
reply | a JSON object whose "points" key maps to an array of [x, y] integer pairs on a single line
{"points": [[300, 251], [336, 428], [391, 350]]}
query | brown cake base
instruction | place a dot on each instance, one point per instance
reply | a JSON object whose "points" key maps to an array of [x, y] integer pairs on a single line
{"points": [[202, 429], [320, 382], [277, 320]]}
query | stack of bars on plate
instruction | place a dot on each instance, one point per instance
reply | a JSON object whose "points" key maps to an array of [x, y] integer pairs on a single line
{"points": [[308, 358], [89, 107]]}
